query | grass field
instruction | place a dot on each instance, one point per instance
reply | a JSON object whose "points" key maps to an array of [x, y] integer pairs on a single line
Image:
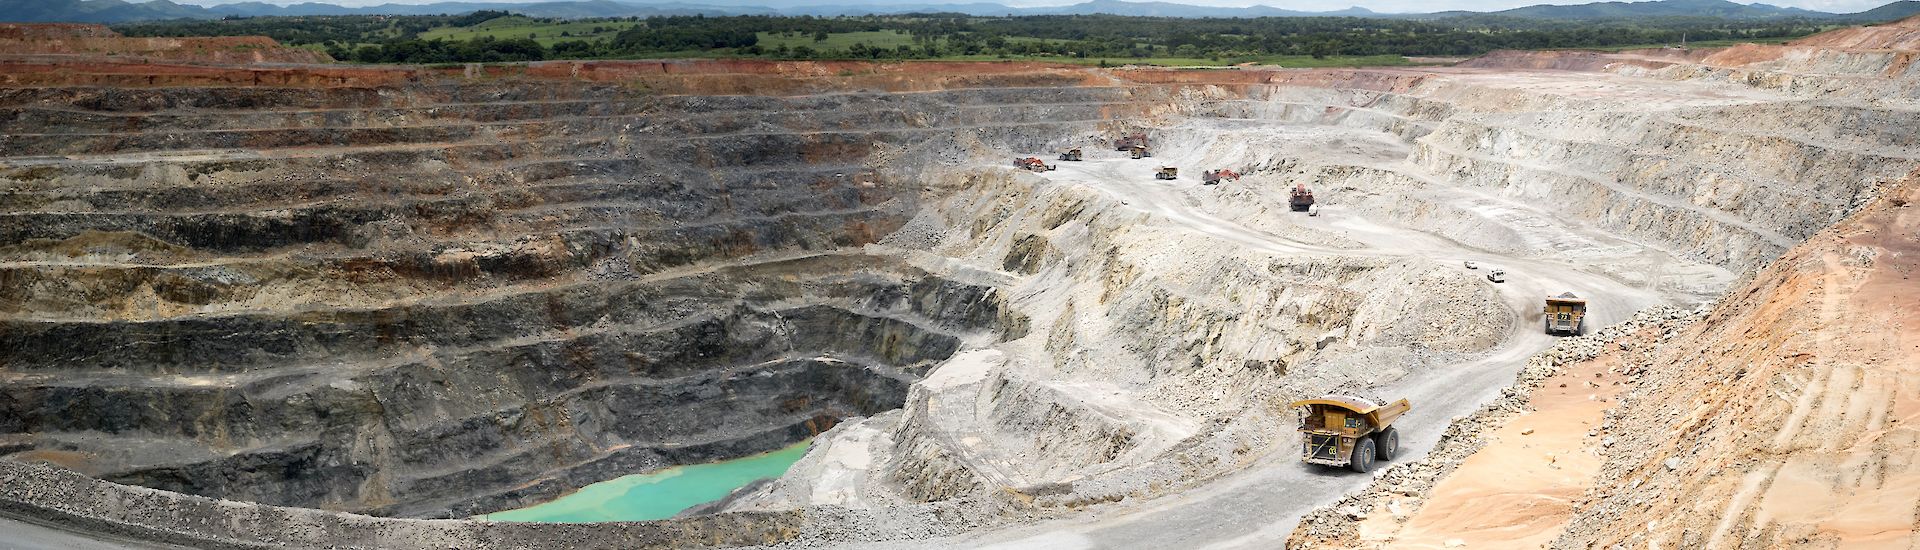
{"points": [[547, 34]]}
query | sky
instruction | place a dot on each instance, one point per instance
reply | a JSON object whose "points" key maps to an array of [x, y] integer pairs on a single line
{"points": [[1384, 6]]}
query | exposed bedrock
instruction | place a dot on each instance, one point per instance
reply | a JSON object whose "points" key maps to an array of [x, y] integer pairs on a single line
{"points": [[416, 409], [453, 299], [441, 296], [1169, 322]]}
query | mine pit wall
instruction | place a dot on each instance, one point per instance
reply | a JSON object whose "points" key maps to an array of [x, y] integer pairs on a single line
{"points": [[1808, 155], [62, 497], [1667, 181], [1876, 77], [1215, 336], [453, 298], [426, 189], [422, 407], [1648, 171], [54, 40], [1784, 419], [1657, 174]]}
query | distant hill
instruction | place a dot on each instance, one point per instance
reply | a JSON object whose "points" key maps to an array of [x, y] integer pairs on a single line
{"points": [[1661, 8], [1169, 9], [1897, 10], [568, 8], [95, 11], [118, 11]]}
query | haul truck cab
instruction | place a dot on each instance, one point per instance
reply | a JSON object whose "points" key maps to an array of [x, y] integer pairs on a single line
{"points": [[1341, 430]]}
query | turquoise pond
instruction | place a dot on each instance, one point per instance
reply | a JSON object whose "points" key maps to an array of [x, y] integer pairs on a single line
{"points": [[657, 495]]}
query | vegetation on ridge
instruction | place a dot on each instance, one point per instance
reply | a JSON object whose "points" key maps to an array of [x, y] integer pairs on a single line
{"points": [[489, 36]]}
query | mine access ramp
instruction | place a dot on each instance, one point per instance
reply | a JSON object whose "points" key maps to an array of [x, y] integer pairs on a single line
{"points": [[1565, 313], [1343, 430]]}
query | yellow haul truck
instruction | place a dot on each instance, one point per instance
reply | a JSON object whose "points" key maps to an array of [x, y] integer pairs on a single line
{"points": [[1342, 430], [1565, 313]]}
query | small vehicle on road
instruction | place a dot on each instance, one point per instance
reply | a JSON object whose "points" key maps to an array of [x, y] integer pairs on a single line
{"points": [[1472, 264], [1497, 275], [1343, 430]]}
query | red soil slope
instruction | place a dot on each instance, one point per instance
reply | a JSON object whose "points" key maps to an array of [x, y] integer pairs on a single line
{"points": [[1899, 35], [35, 39], [1790, 418]]}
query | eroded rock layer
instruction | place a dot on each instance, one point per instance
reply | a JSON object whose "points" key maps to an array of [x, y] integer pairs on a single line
{"points": [[457, 297], [1779, 418], [444, 291]]}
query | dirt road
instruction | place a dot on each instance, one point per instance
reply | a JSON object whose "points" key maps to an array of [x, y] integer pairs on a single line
{"points": [[21, 535]]}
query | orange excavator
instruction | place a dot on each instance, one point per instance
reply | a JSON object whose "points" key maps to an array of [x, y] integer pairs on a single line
{"points": [[1213, 177], [1034, 164]]}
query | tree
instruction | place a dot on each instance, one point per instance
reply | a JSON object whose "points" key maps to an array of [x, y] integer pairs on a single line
{"points": [[1321, 49]]}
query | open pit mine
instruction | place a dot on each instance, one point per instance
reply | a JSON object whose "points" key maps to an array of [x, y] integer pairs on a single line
{"points": [[249, 299]]}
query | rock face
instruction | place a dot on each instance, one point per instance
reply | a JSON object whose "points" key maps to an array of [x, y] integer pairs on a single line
{"points": [[1779, 418], [38, 39], [1902, 35], [1174, 320], [458, 297], [435, 292], [1784, 419]]}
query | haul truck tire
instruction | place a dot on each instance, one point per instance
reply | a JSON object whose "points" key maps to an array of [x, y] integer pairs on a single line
{"points": [[1363, 452], [1389, 443]]}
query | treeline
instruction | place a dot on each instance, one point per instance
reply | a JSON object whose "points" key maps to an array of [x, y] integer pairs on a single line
{"points": [[371, 39], [1107, 36], [484, 49]]}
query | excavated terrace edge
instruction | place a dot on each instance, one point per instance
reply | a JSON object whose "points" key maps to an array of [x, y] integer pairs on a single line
{"points": [[65, 499], [1338, 523]]}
